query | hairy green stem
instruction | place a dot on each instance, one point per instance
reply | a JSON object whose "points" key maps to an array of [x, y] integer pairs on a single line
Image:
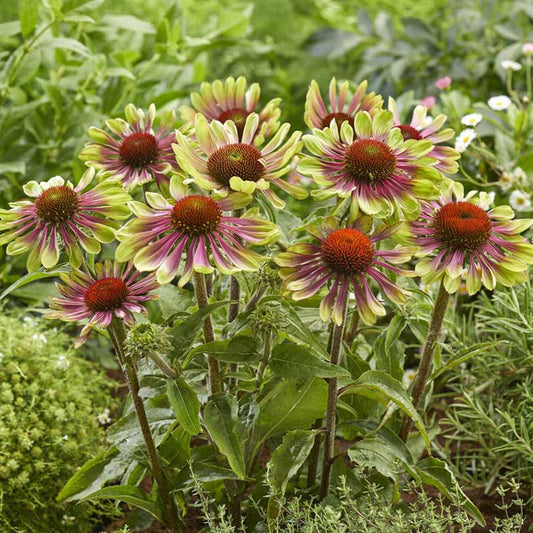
{"points": [[234, 287], [117, 333], [314, 456], [422, 374], [264, 360], [329, 441], [214, 382]]}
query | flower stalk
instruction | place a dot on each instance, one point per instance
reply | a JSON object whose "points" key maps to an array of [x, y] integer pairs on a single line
{"points": [[214, 382], [117, 334], [329, 440], [421, 378]]}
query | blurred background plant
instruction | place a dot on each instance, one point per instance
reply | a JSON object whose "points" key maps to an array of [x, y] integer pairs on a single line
{"points": [[53, 408]]}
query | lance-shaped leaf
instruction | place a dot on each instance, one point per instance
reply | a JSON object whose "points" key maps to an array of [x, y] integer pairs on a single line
{"points": [[378, 385], [240, 349], [222, 421], [184, 334], [286, 405], [131, 495], [437, 473], [289, 360], [290, 456], [35, 276], [186, 405]]}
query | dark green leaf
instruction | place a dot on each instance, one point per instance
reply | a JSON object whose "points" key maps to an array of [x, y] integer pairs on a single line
{"points": [[221, 420], [86, 475], [379, 386], [286, 405], [290, 456], [240, 349], [34, 276], [437, 473], [186, 405], [289, 360], [131, 495], [184, 334]]}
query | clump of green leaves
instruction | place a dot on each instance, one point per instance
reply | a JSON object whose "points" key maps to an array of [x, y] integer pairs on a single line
{"points": [[49, 405]]}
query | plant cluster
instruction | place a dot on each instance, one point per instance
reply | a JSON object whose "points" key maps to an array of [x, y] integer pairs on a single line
{"points": [[51, 407], [203, 197], [292, 272]]}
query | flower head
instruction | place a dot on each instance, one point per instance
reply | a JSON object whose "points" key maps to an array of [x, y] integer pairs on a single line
{"points": [[343, 106], [505, 181], [346, 260], [463, 140], [458, 233], [443, 83], [472, 119], [222, 160], [114, 290], [499, 103], [418, 128], [520, 201], [428, 102], [59, 214], [373, 164], [527, 49], [507, 64], [140, 153], [231, 100], [192, 228]]}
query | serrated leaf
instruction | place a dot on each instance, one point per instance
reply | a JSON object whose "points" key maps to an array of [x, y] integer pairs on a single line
{"points": [[131, 495], [290, 456], [186, 405], [289, 360], [221, 420], [378, 385]]}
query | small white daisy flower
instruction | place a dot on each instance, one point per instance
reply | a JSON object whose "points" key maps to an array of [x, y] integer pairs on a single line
{"points": [[499, 103], [473, 119], [464, 139], [104, 418], [520, 201], [520, 176], [507, 64], [408, 377]]}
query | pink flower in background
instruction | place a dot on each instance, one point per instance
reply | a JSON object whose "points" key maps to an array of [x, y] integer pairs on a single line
{"points": [[428, 102], [443, 83], [527, 49]]}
